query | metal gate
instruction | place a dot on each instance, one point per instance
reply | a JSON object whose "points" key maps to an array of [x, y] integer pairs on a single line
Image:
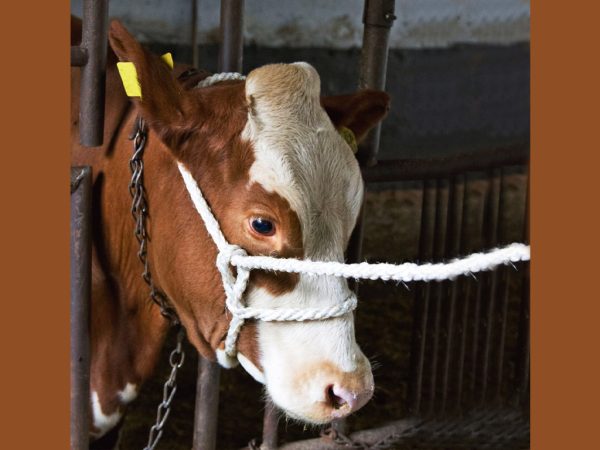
{"points": [[469, 384]]}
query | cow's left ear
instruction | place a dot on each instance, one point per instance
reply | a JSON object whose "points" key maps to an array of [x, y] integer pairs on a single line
{"points": [[165, 105], [359, 111]]}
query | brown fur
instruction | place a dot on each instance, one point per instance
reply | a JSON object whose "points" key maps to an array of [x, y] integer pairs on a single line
{"points": [[200, 128]]}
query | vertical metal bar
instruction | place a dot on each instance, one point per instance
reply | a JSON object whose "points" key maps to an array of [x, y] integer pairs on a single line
{"points": [[423, 294], [207, 405], [441, 228], [93, 74], [454, 246], [504, 298], [81, 273], [492, 240], [194, 33], [476, 314], [207, 391], [232, 36], [270, 423], [524, 339], [506, 280], [468, 284], [378, 17]]}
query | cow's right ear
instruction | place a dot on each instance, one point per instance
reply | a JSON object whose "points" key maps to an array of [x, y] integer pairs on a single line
{"points": [[165, 105]]}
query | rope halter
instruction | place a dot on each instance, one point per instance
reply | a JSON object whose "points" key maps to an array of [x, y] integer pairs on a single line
{"points": [[230, 255], [235, 285]]}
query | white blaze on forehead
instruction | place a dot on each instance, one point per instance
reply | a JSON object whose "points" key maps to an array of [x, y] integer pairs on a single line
{"points": [[300, 156]]}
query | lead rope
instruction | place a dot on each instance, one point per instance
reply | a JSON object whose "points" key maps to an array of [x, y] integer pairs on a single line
{"points": [[139, 210]]}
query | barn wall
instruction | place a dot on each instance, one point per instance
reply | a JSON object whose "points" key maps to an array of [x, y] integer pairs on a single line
{"points": [[458, 69], [331, 23]]}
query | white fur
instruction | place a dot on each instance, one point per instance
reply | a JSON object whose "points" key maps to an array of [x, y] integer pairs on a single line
{"points": [[102, 422], [128, 394], [300, 156]]}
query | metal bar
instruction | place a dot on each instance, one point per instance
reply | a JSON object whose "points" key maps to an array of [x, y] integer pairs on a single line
{"points": [[422, 297], [194, 33], [453, 249], [81, 273], [79, 56], [232, 36], [506, 279], [270, 423], [93, 74], [445, 166], [475, 338], [466, 301], [524, 339], [207, 405], [207, 391], [378, 17], [464, 329], [439, 247], [504, 297], [492, 240]]}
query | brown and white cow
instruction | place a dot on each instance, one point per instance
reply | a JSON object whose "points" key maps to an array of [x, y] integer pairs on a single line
{"points": [[280, 180]]}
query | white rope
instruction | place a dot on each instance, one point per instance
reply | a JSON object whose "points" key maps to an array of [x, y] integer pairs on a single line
{"points": [[235, 286], [218, 77], [407, 272], [233, 255]]}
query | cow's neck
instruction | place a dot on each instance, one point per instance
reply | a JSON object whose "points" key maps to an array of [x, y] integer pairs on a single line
{"points": [[127, 328]]}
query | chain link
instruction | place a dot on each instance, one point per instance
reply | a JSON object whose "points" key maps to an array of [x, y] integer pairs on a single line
{"points": [[176, 359], [139, 211]]}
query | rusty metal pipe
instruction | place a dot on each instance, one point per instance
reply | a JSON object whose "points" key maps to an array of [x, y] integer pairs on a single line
{"points": [[270, 424], [232, 36], [81, 273], [378, 17], [207, 390], [93, 73], [207, 405]]}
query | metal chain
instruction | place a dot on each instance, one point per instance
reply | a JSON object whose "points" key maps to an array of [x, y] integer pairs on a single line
{"points": [[176, 359], [139, 210]]}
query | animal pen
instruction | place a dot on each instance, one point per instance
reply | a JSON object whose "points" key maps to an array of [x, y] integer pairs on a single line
{"points": [[469, 350]]}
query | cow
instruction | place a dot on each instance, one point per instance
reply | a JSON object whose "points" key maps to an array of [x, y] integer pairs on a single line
{"points": [[281, 181]]}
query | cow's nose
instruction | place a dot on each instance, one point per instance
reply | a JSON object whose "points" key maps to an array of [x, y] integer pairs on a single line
{"points": [[343, 400]]}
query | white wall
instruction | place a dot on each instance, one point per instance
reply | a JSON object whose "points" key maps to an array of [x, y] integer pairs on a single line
{"points": [[329, 23]]}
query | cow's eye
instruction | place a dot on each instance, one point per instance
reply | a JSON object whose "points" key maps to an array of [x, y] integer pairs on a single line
{"points": [[262, 226]]}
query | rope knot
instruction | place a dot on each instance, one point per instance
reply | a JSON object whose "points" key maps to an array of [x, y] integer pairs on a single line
{"points": [[226, 254]]}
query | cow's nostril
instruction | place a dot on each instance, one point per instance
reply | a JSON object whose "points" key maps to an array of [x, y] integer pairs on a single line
{"points": [[334, 400]]}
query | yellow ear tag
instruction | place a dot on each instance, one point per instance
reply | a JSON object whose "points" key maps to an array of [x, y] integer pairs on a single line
{"points": [[129, 76], [349, 137]]}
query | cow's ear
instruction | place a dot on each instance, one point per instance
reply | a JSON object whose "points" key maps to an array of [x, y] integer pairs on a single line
{"points": [[165, 105], [359, 111]]}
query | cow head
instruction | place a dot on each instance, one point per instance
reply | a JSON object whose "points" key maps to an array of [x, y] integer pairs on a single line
{"points": [[281, 181]]}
